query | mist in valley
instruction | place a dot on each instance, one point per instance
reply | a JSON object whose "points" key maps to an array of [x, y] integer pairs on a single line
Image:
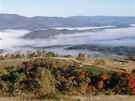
{"points": [[10, 40]]}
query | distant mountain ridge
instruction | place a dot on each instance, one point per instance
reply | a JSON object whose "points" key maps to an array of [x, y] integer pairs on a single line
{"points": [[14, 21]]}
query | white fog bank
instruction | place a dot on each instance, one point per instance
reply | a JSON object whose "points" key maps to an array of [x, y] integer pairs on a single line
{"points": [[9, 39]]}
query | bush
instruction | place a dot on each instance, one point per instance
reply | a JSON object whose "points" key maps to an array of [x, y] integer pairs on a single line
{"points": [[118, 83], [131, 57], [51, 54], [47, 82], [99, 62], [80, 57], [132, 85]]}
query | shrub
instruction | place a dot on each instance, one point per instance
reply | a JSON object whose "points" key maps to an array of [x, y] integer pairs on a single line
{"points": [[51, 54], [47, 83], [99, 62], [118, 83], [132, 84], [31, 54], [133, 72], [131, 57], [80, 57]]}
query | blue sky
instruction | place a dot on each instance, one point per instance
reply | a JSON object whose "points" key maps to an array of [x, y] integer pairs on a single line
{"points": [[68, 7]]}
